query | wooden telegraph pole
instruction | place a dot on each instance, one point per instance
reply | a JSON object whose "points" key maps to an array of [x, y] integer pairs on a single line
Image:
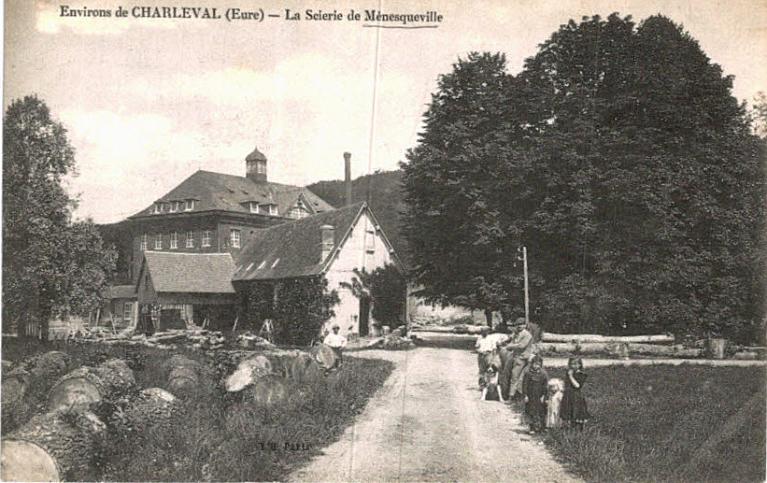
{"points": [[527, 292]]}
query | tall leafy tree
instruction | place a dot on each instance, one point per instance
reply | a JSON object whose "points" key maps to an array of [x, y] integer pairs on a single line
{"points": [[622, 161], [655, 199], [50, 265], [456, 233]]}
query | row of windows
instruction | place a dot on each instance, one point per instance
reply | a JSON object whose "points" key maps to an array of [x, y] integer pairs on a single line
{"points": [[264, 209], [235, 240], [173, 206]]}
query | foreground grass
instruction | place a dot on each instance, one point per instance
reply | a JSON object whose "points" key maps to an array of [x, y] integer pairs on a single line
{"points": [[216, 437], [665, 423]]}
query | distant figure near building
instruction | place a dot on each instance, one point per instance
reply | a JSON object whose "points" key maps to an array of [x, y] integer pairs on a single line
{"points": [[337, 342]]}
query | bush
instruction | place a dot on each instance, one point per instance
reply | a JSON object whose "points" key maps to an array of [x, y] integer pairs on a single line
{"points": [[297, 306]]}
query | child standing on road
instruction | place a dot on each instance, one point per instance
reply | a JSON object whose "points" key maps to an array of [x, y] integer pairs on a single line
{"points": [[574, 410], [534, 385]]}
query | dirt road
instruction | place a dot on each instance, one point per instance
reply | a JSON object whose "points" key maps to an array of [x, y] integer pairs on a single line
{"points": [[428, 424]]}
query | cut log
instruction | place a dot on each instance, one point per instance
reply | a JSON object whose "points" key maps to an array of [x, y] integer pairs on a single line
{"points": [[266, 391], [40, 371], [186, 376], [304, 369], [248, 372], [676, 350], [748, 355], [87, 385], [151, 408], [324, 355], [54, 446], [619, 349], [586, 338]]}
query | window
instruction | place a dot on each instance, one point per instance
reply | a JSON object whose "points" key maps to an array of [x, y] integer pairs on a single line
{"points": [[370, 240], [157, 208], [158, 242], [206, 238], [234, 238], [144, 239], [173, 206], [173, 240], [273, 210], [253, 207], [190, 239], [189, 205], [127, 311], [261, 167]]}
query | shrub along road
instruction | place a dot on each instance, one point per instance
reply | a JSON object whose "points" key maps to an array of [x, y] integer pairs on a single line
{"points": [[427, 423]]}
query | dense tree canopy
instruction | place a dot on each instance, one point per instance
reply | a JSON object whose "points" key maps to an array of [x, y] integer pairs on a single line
{"points": [[620, 158], [51, 266]]}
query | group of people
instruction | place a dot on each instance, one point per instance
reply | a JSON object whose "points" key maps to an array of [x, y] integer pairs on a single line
{"points": [[511, 369]]}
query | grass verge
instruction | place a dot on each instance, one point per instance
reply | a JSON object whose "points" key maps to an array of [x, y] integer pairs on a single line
{"points": [[669, 423]]}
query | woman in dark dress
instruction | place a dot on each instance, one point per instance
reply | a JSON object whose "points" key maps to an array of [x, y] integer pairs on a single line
{"points": [[574, 410], [534, 385]]}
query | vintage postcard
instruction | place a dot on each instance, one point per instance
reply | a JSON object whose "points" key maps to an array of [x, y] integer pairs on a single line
{"points": [[384, 240]]}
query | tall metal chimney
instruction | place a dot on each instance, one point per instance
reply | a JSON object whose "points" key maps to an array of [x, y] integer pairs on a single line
{"points": [[348, 178]]}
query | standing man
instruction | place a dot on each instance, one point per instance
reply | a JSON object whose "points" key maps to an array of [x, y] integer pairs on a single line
{"points": [[337, 342], [523, 347]]}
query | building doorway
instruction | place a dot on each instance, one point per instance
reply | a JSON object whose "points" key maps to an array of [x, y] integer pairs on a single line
{"points": [[364, 316]]}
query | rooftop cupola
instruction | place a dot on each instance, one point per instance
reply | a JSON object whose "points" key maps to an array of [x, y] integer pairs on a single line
{"points": [[255, 166]]}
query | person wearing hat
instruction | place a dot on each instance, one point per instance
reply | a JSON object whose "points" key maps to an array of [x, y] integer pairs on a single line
{"points": [[337, 342], [523, 347]]}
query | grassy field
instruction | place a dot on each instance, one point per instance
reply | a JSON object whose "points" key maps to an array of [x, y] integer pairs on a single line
{"points": [[664, 423], [216, 437]]}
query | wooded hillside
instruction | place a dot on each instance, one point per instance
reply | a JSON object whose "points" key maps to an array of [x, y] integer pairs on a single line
{"points": [[382, 192]]}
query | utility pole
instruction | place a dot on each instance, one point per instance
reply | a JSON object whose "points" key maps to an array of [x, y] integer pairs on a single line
{"points": [[527, 292], [523, 252]]}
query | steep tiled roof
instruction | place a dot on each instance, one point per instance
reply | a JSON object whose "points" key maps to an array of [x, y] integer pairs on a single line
{"points": [[293, 249], [190, 272], [217, 191]]}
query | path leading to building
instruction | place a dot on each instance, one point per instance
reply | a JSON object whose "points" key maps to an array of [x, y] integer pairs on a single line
{"points": [[427, 424]]}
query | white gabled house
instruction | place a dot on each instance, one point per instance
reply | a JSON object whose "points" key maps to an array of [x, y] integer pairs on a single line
{"points": [[333, 244]]}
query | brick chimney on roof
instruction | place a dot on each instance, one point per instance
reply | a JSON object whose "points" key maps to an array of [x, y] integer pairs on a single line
{"points": [[348, 178], [255, 166]]}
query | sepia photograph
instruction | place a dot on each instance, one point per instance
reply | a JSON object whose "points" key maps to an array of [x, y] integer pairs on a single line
{"points": [[385, 240]]}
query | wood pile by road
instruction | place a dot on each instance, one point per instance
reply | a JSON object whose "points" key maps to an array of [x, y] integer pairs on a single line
{"points": [[85, 407]]}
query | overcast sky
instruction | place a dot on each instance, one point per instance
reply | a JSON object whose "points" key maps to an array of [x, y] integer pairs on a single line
{"points": [[147, 102]]}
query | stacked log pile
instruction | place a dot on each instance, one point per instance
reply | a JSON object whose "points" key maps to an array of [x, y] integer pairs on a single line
{"points": [[391, 342], [171, 339]]}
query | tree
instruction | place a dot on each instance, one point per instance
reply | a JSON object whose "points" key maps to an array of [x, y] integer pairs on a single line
{"points": [[386, 288], [624, 163], [50, 265], [655, 181], [454, 183]]}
